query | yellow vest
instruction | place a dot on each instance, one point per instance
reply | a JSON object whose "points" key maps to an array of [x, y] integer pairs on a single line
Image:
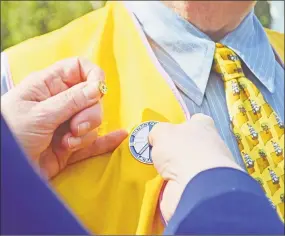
{"points": [[113, 193]]}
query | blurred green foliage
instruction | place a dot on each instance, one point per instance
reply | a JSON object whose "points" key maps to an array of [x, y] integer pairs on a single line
{"points": [[262, 11], [21, 20]]}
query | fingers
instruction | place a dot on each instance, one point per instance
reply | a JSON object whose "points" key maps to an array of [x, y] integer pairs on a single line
{"points": [[75, 70], [202, 119], [64, 89], [104, 144], [199, 121], [63, 75], [163, 129], [71, 143], [64, 105], [64, 144], [86, 120], [160, 129]]}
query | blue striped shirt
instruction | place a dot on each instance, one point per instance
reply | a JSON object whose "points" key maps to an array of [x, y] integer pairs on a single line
{"points": [[186, 54]]}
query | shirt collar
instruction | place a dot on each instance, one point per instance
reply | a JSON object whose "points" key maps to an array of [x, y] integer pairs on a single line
{"points": [[251, 43], [193, 50]]}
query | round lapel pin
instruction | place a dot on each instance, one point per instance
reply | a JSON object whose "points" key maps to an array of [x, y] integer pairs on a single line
{"points": [[138, 142]]}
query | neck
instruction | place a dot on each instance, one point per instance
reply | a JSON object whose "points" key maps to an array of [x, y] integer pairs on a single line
{"points": [[216, 19]]}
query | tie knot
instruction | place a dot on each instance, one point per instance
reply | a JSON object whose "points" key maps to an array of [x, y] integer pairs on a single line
{"points": [[227, 63]]}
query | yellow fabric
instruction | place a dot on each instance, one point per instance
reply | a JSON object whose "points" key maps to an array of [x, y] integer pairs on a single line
{"points": [[257, 127], [113, 193]]}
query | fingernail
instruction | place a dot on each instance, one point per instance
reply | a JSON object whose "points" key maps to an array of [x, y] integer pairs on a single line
{"points": [[74, 142], [83, 128], [91, 90]]}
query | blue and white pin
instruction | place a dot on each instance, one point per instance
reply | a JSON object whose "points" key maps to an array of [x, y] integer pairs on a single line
{"points": [[138, 142]]}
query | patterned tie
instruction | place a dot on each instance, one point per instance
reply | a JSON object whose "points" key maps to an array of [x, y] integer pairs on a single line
{"points": [[258, 129]]}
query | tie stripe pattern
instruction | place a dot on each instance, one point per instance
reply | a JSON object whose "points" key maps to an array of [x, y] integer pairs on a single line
{"points": [[258, 129]]}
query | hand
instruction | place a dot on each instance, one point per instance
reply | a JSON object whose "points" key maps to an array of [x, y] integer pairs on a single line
{"points": [[54, 114], [182, 151]]}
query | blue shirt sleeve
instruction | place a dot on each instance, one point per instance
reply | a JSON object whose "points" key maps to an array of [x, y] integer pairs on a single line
{"points": [[28, 204], [224, 201]]}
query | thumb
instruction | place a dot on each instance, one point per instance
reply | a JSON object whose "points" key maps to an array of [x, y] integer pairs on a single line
{"points": [[160, 129], [66, 104]]}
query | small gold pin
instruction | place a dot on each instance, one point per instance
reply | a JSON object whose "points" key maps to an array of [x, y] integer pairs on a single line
{"points": [[103, 87]]}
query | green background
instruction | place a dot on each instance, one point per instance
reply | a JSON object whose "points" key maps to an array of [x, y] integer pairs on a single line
{"points": [[21, 20]]}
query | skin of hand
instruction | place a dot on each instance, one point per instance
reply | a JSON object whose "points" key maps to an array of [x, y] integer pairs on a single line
{"points": [[180, 152], [54, 114]]}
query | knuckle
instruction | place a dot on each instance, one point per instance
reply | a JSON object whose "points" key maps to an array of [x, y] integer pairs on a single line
{"points": [[160, 129], [209, 121], [73, 61], [91, 68], [74, 102], [98, 73], [34, 78], [162, 126], [40, 119], [197, 116], [202, 118], [81, 60]]}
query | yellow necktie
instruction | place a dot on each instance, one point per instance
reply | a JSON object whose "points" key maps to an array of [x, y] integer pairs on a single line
{"points": [[258, 129]]}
